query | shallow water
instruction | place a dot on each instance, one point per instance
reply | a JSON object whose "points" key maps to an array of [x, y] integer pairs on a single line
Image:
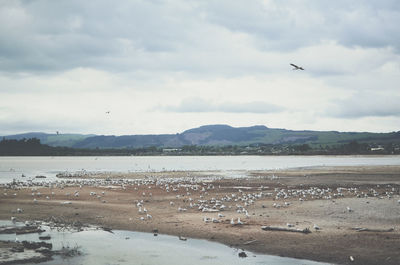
{"points": [[126, 247], [14, 167]]}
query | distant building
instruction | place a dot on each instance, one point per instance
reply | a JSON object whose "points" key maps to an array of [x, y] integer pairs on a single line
{"points": [[378, 148], [169, 150]]}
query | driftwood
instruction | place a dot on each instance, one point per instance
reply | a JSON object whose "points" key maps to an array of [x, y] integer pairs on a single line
{"points": [[249, 242], [284, 229], [363, 229], [210, 210]]}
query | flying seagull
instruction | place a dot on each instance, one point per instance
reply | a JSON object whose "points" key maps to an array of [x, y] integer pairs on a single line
{"points": [[107, 112], [297, 67]]}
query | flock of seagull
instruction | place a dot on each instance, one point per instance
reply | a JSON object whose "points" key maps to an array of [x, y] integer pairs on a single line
{"points": [[192, 194]]}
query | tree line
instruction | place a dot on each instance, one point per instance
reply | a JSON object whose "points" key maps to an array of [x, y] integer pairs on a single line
{"points": [[33, 147]]}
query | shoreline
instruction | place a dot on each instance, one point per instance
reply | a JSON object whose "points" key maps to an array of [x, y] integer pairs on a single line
{"points": [[334, 242]]}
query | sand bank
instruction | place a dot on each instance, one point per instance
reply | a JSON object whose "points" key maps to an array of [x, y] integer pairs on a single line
{"points": [[331, 202]]}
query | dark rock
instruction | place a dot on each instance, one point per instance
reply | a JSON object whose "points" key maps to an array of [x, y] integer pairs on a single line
{"points": [[242, 254], [77, 224], [18, 248], [44, 250], [36, 245], [21, 230], [107, 229]]}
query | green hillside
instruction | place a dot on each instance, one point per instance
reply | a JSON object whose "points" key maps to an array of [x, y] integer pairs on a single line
{"points": [[66, 140], [214, 135]]}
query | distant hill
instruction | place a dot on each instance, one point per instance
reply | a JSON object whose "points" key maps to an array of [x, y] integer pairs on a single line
{"points": [[66, 140], [220, 135]]}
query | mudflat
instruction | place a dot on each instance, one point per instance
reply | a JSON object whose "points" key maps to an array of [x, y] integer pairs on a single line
{"points": [[353, 213]]}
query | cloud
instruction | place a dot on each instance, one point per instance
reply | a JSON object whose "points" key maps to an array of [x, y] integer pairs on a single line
{"points": [[202, 105], [64, 63], [218, 37], [44, 36], [291, 25], [361, 105]]}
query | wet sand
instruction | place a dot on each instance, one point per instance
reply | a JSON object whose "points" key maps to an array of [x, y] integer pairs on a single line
{"points": [[334, 199]]}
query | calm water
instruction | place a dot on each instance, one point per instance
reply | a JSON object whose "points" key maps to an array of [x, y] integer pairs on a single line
{"points": [[125, 247], [14, 167]]}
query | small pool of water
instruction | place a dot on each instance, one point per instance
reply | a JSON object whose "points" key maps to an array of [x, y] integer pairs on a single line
{"points": [[126, 247]]}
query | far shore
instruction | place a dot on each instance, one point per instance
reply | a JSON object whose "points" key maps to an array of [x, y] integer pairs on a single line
{"points": [[351, 212]]}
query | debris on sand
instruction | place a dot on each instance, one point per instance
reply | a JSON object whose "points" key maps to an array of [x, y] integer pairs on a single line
{"points": [[362, 229], [61, 223], [250, 242], [24, 252], [12, 252], [68, 252], [36, 245], [19, 230], [107, 229], [284, 229]]}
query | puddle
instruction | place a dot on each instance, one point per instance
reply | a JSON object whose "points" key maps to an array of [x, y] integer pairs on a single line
{"points": [[126, 247]]}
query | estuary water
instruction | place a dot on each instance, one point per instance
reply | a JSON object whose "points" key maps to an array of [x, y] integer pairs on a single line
{"points": [[125, 247], [31, 166]]}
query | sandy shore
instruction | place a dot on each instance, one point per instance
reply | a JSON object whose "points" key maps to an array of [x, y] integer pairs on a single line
{"points": [[334, 199]]}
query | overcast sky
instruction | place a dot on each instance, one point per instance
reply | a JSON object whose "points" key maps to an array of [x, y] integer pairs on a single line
{"points": [[167, 66]]}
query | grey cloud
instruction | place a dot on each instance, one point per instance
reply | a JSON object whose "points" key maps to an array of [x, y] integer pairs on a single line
{"points": [[51, 125], [180, 36], [201, 105], [21, 125], [291, 25], [52, 36], [360, 106]]}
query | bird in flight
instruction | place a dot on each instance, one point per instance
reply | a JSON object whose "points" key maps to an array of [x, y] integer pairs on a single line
{"points": [[107, 112], [297, 67]]}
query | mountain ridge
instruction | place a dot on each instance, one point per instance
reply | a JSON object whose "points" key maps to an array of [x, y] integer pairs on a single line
{"points": [[216, 134]]}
